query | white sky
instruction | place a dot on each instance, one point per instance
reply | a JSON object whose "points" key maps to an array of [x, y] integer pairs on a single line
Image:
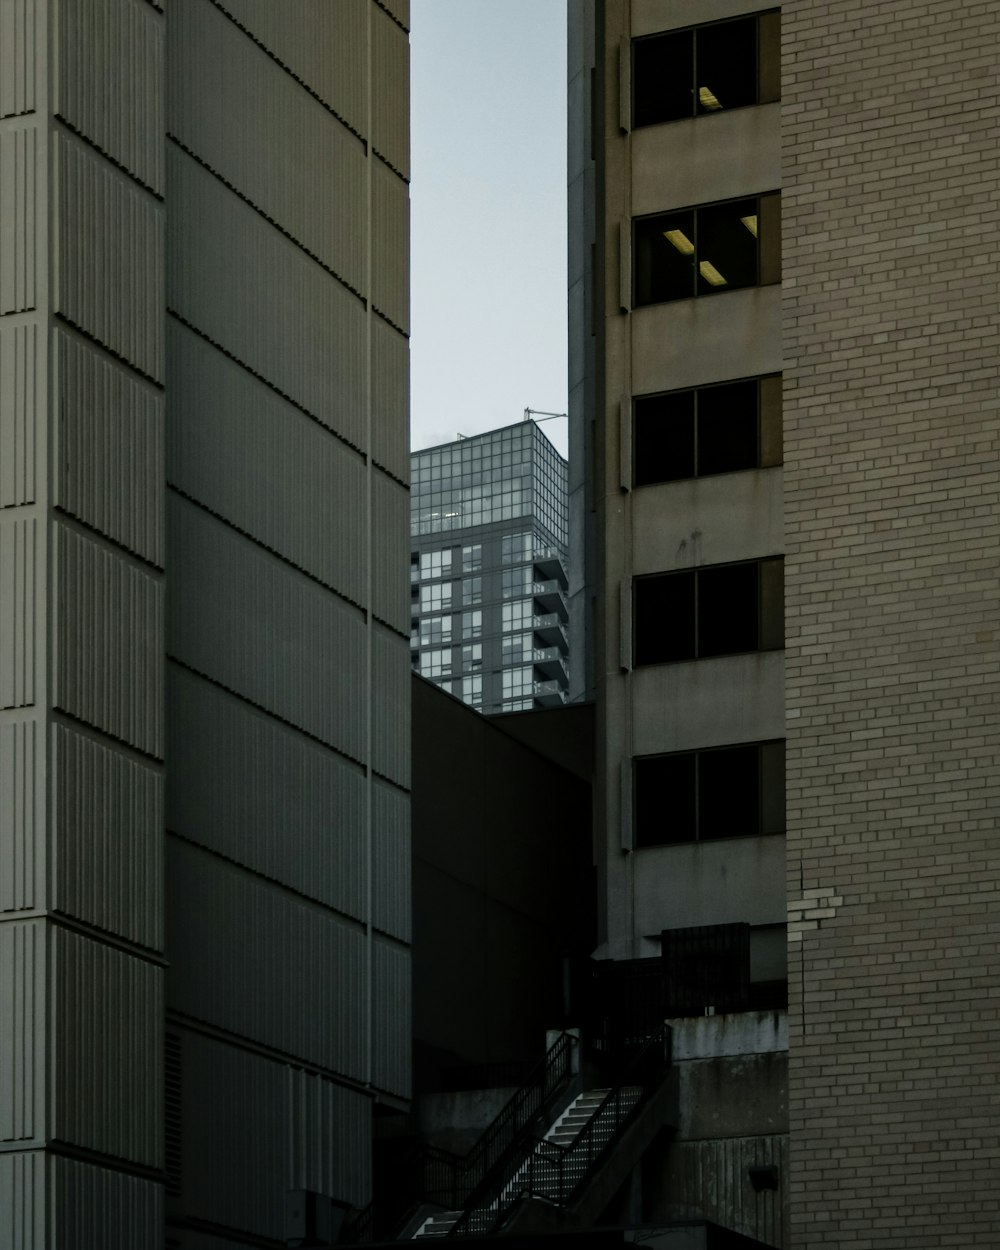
{"points": [[488, 197]]}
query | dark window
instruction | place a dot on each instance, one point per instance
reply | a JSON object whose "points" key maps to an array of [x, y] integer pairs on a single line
{"points": [[720, 609], [701, 796], [704, 250], [706, 69], [713, 429]]}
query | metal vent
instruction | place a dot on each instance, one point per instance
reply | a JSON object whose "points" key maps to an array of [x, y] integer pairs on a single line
{"points": [[172, 1063]]}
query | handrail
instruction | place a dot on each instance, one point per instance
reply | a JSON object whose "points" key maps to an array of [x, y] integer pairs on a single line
{"points": [[568, 1166]]}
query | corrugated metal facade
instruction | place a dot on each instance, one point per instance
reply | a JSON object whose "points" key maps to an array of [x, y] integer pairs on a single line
{"points": [[19, 159], [223, 414], [321, 204], [262, 629], [109, 447], [247, 287], [260, 794], [109, 259], [265, 965], [108, 851], [22, 785], [110, 86], [19, 614], [81, 623], [20, 361], [109, 623], [19, 32], [108, 1008], [234, 170]]}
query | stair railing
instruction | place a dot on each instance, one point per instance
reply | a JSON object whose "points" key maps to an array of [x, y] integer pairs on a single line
{"points": [[547, 1169], [555, 1171], [449, 1180]]}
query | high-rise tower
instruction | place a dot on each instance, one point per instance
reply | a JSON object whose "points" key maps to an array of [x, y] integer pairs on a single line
{"points": [[203, 617]]}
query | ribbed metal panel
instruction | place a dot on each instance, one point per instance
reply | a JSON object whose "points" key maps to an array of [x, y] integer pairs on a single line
{"points": [[109, 626], [248, 788], [400, 9], [18, 56], [258, 627], [390, 90], [22, 817], [391, 245], [110, 447], [391, 1018], [20, 375], [252, 291], [391, 706], [109, 260], [22, 1202], [109, 81], [390, 382], [248, 455], [22, 1031], [391, 857], [318, 1137], [390, 547], [229, 102], [96, 1207], [107, 1065], [331, 1146], [108, 819], [323, 48], [19, 213], [19, 615], [256, 962]]}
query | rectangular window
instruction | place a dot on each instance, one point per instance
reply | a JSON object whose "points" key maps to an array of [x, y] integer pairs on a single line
{"points": [[515, 616], [435, 663], [516, 649], [435, 564], [516, 582], [706, 69], [472, 558], [712, 429], [707, 249], [721, 609], [516, 548], [472, 590], [435, 630], [472, 656], [472, 691], [701, 796], [517, 682], [435, 597], [472, 624]]}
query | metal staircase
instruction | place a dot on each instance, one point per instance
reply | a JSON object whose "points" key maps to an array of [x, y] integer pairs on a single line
{"points": [[556, 1168]]}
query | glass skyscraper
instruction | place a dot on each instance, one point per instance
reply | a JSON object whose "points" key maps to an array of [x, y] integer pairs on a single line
{"points": [[488, 583]]}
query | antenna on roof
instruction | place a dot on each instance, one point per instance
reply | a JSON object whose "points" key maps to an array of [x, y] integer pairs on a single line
{"points": [[531, 413]]}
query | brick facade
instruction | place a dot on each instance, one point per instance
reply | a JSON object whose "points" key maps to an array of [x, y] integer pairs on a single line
{"points": [[891, 337]]}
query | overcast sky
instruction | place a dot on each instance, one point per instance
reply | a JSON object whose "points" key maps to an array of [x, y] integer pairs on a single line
{"points": [[488, 215]]}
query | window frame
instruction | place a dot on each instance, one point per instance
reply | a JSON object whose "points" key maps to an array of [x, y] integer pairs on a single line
{"points": [[767, 252], [764, 93], [768, 426], [767, 627], [765, 801]]}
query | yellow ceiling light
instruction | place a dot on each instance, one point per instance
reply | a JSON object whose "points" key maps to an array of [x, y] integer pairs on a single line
{"points": [[708, 99], [709, 272], [751, 224], [680, 240]]}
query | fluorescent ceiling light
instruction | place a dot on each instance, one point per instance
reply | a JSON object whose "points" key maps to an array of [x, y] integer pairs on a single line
{"points": [[680, 240], [707, 99], [751, 224], [709, 272]]}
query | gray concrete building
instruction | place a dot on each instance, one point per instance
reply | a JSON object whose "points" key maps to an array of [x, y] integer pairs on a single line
{"points": [[488, 569], [204, 669], [783, 372]]}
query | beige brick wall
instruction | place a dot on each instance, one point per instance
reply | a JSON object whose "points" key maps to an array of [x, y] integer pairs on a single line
{"points": [[891, 211]]}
